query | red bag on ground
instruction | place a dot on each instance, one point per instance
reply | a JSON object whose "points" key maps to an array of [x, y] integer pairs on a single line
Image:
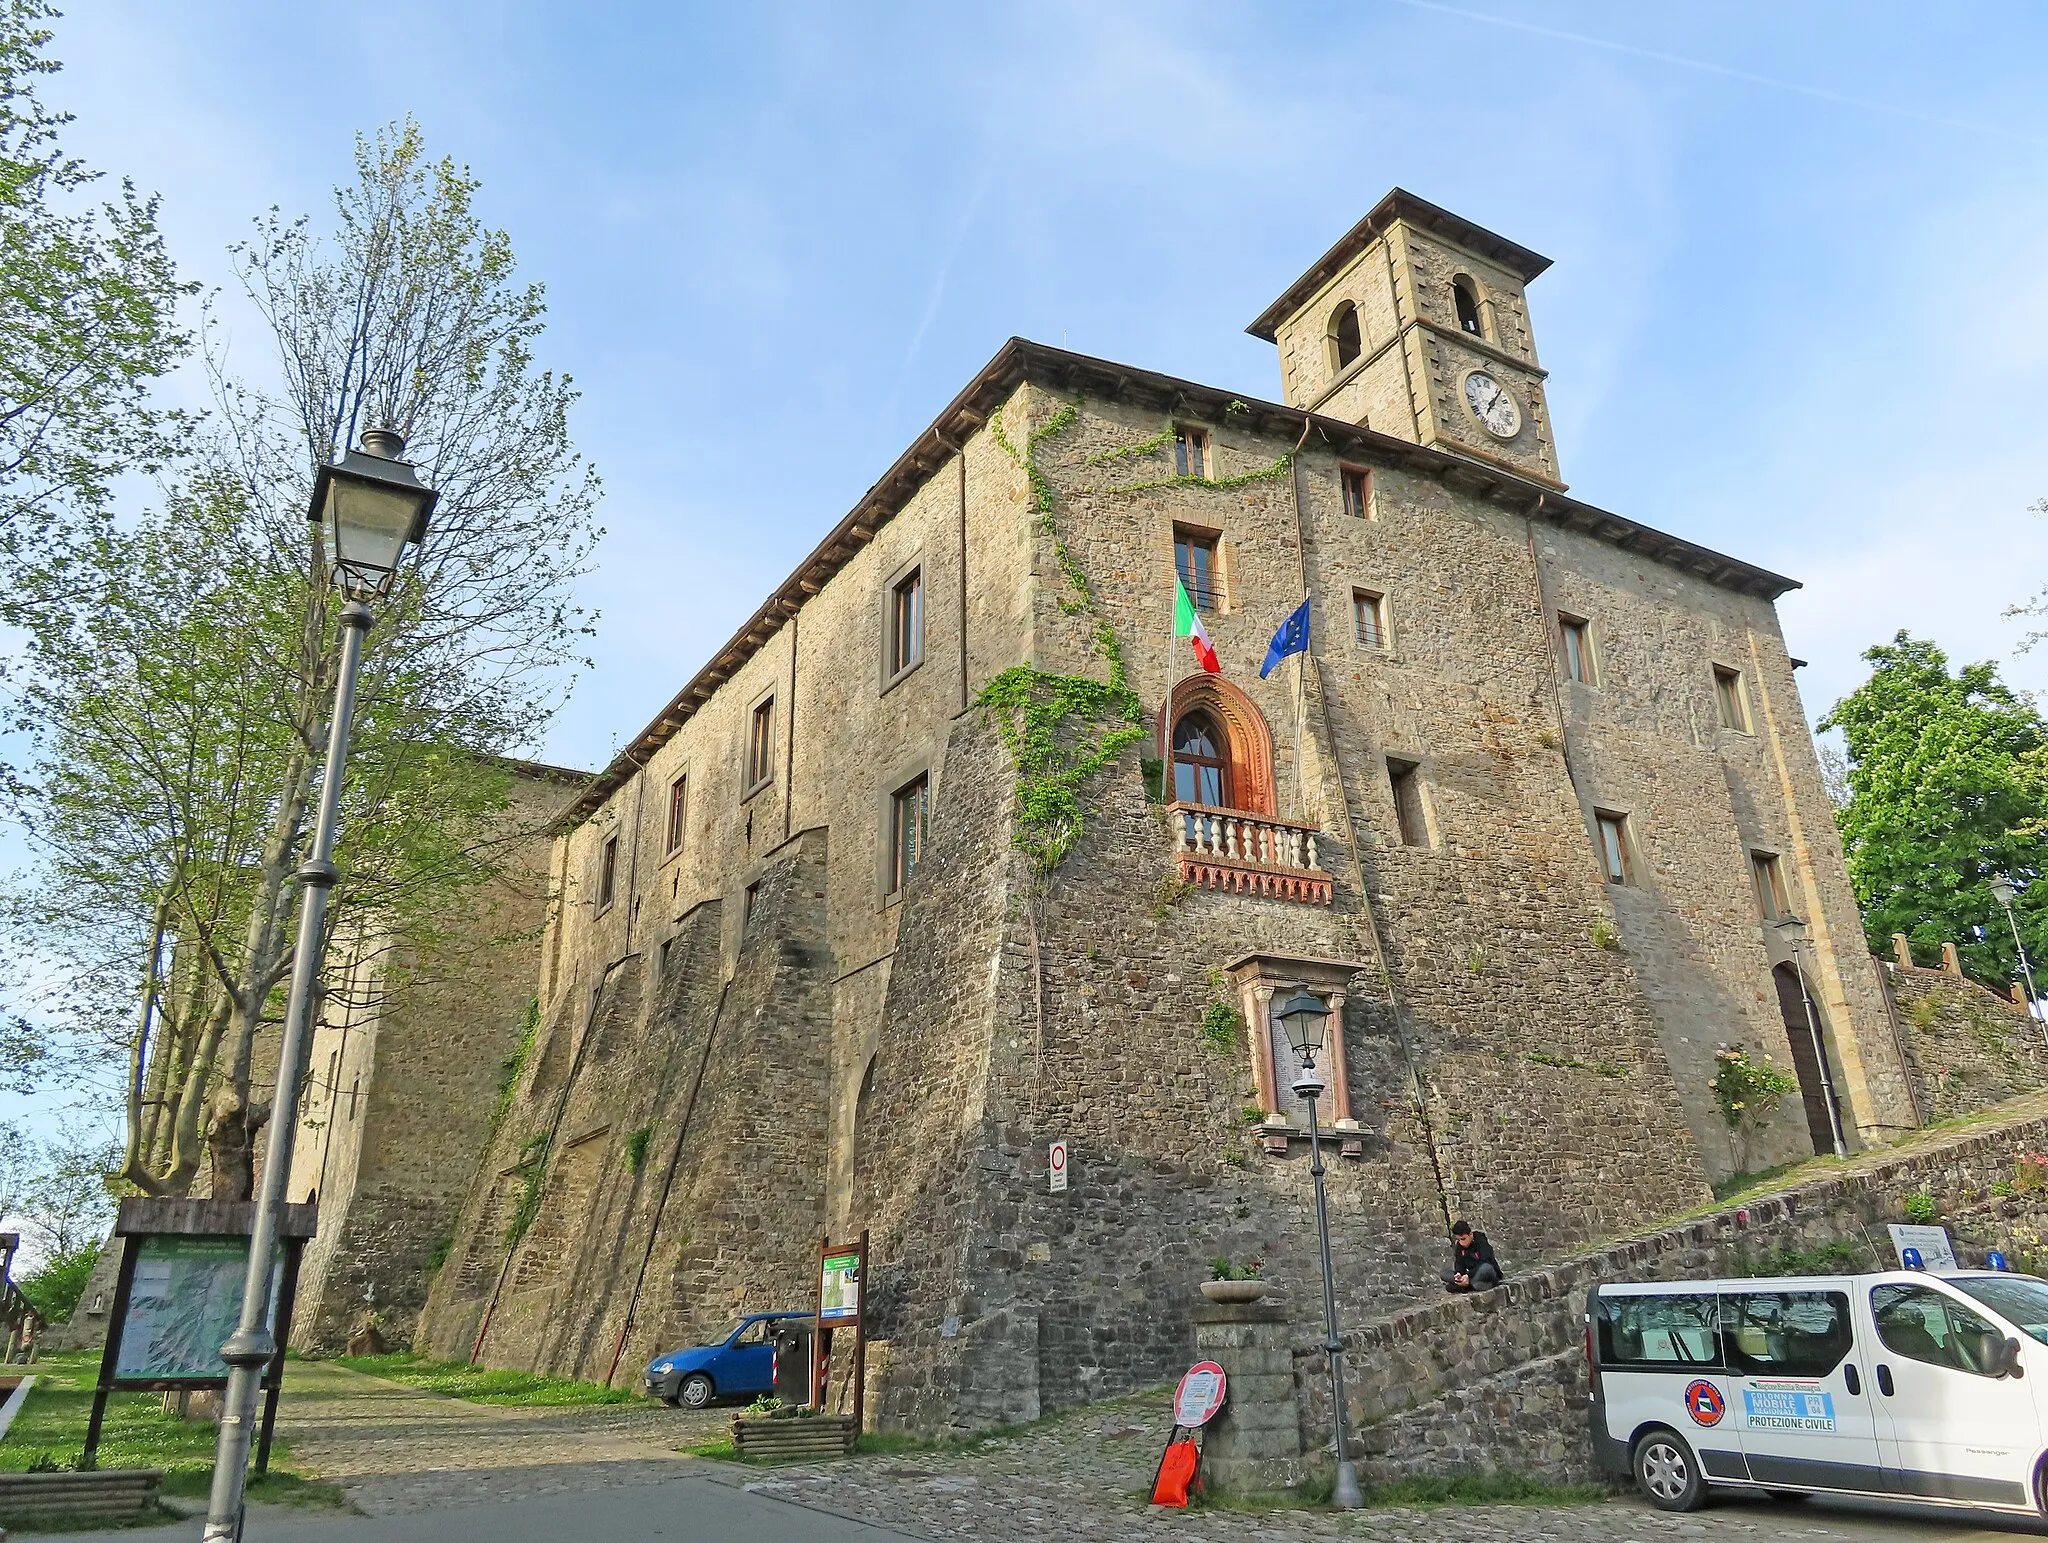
{"points": [[1176, 1471]]}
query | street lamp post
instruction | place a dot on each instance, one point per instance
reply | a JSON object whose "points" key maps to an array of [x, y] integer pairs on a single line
{"points": [[373, 506], [1793, 931], [1305, 1020], [2003, 892]]}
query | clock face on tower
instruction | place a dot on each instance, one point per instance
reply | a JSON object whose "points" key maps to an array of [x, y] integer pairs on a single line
{"points": [[1493, 405]]}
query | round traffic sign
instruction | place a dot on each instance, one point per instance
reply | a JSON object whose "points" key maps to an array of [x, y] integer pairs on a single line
{"points": [[1199, 1395]]}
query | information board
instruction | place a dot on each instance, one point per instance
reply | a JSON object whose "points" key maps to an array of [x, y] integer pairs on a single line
{"points": [[1199, 1395], [839, 1287], [1056, 1167], [184, 1302], [1936, 1252]]}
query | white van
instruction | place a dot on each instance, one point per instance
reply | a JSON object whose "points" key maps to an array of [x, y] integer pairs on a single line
{"points": [[1903, 1384]]}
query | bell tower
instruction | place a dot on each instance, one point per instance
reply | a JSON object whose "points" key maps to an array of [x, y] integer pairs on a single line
{"points": [[1415, 324]]}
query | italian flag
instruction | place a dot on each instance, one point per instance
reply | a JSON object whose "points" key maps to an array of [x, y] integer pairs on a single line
{"points": [[1187, 623]]}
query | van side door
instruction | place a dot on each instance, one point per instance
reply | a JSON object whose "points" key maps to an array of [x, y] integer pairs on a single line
{"points": [[1949, 1428], [1804, 1405]]}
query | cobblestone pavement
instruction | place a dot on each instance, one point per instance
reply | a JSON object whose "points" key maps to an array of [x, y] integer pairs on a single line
{"points": [[1081, 1478], [1078, 1478], [393, 1449]]}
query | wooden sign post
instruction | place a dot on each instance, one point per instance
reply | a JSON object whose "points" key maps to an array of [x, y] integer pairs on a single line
{"points": [[842, 1303], [178, 1297]]}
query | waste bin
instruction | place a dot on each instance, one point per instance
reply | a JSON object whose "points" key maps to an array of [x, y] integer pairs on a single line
{"points": [[793, 1341]]}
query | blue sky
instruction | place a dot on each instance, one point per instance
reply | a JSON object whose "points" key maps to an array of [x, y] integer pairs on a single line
{"points": [[1798, 311]]}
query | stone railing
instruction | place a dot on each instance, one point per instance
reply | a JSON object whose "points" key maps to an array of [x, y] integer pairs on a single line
{"points": [[1233, 849]]}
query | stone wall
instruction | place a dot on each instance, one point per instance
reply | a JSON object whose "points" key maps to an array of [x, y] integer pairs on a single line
{"points": [[717, 1083], [1965, 1045], [1497, 1380], [401, 1078]]}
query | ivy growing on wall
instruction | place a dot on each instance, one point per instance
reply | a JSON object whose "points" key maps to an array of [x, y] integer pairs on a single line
{"points": [[508, 1081], [531, 1170], [1060, 730]]}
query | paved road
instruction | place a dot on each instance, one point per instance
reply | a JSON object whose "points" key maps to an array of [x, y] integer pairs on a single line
{"points": [[416, 1466], [680, 1510]]}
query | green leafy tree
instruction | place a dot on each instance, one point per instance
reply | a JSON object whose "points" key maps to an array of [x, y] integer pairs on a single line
{"points": [[55, 1192], [180, 670], [88, 307], [1948, 787]]}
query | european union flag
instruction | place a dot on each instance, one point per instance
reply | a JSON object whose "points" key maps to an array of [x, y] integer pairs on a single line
{"points": [[1292, 638]]}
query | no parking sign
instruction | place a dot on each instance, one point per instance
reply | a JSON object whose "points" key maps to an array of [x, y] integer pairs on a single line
{"points": [[1056, 1167]]}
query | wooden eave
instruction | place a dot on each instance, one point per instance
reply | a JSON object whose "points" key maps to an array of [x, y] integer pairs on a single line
{"points": [[1018, 361], [1397, 205]]}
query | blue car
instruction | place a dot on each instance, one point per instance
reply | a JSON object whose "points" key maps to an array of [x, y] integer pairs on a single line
{"points": [[740, 1366]]}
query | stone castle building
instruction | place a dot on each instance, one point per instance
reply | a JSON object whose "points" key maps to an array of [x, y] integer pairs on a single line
{"points": [[952, 852]]}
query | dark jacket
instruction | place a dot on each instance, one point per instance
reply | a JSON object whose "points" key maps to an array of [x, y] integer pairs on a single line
{"points": [[1467, 1257]]}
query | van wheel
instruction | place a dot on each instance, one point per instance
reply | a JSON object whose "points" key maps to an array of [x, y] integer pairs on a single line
{"points": [[1668, 1474]]}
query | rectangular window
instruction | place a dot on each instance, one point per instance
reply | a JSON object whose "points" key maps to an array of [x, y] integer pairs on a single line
{"points": [[1405, 778], [1190, 451], [1357, 492], [1642, 1333], [909, 809], [1194, 557], [761, 745], [607, 871], [1785, 1334], [1614, 858], [747, 908], [1772, 901], [1369, 610], [1729, 697], [1578, 650], [678, 814], [906, 623]]}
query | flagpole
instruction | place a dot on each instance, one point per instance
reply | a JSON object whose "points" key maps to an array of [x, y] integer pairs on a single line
{"points": [[1301, 711], [1166, 786]]}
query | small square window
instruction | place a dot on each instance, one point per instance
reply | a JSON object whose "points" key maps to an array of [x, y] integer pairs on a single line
{"points": [[1190, 451], [1357, 492], [1615, 860], [1405, 780], [1768, 874], [1194, 557], [1730, 698], [607, 871], [909, 812], [1369, 611], [678, 814], [761, 745], [1577, 647], [905, 644]]}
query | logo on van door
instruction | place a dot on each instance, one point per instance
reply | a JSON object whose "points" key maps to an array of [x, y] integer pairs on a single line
{"points": [[1704, 1403]]}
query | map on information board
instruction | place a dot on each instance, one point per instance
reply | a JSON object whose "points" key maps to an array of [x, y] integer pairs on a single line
{"points": [[183, 1303], [839, 1288]]}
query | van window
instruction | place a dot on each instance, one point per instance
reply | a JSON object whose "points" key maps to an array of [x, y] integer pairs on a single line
{"points": [[2016, 1298], [1924, 1325], [1650, 1332], [1786, 1333]]}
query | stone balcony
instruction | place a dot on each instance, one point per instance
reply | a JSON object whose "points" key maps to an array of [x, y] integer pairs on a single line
{"points": [[1244, 853]]}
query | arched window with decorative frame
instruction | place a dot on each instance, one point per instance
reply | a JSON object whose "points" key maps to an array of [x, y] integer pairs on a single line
{"points": [[1227, 829], [1222, 750]]}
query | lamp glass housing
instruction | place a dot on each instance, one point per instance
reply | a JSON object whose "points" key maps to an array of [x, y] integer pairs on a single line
{"points": [[2002, 890], [372, 505], [1792, 930], [1305, 1021]]}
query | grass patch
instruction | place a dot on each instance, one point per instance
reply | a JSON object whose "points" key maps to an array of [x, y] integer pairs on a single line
{"points": [[137, 1434], [478, 1385]]}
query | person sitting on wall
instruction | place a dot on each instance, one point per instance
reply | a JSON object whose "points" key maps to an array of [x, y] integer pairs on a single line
{"points": [[1473, 1267]]}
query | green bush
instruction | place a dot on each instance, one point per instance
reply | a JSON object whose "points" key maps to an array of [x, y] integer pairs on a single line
{"points": [[56, 1284]]}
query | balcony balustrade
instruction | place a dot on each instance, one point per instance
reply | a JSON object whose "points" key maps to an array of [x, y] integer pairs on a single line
{"points": [[1244, 853]]}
